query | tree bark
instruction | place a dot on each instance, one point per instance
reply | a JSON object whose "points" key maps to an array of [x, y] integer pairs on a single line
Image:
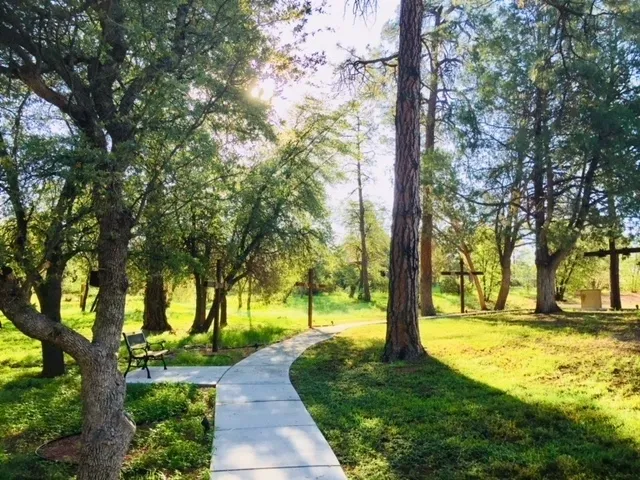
{"points": [[546, 289], [84, 294], [403, 333], [544, 203], [614, 276], [201, 323], [427, 308], [107, 430], [223, 310], [49, 293], [364, 256], [505, 282], [215, 309], [240, 291], [155, 305], [615, 300], [249, 293]]}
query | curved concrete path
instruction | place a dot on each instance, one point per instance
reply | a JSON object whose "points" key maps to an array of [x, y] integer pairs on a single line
{"points": [[262, 429]]}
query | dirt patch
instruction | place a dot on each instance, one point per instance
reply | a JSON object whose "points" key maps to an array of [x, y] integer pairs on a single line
{"points": [[65, 450]]}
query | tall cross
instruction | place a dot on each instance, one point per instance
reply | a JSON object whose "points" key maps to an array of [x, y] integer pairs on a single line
{"points": [[311, 286], [462, 274], [614, 269]]}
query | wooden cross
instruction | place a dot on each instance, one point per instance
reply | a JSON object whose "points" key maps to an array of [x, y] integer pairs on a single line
{"points": [[311, 287], [462, 274], [614, 269]]}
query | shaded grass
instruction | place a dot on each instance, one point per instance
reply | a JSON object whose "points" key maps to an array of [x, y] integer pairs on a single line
{"points": [[513, 397], [35, 411]]}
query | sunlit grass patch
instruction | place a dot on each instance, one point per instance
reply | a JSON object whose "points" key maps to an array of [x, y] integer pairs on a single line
{"points": [[517, 397]]}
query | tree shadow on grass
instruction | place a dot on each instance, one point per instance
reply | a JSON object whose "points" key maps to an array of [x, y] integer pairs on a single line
{"points": [[620, 326], [419, 421], [34, 411]]}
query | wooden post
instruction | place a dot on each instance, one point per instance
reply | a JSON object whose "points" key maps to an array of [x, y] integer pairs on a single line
{"points": [[310, 285], [216, 316], [461, 286]]}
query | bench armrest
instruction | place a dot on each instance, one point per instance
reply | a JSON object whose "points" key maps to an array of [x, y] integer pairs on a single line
{"points": [[142, 349], [150, 344]]}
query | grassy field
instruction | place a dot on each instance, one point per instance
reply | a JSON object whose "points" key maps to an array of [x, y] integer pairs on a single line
{"points": [[35, 410], [170, 441], [509, 397]]}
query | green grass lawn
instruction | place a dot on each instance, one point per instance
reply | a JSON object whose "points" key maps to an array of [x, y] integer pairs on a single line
{"points": [[509, 397], [170, 442], [35, 410]]}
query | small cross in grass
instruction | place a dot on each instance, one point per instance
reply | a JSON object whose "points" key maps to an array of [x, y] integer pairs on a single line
{"points": [[461, 273]]}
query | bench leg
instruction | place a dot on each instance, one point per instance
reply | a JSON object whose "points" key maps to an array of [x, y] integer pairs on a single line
{"points": [[146, 367], [163, 362], [128, 368]]}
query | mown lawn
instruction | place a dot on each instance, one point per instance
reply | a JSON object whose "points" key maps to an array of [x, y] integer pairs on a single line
{"points": [[35, 410], [170, 442], [509, 397]]}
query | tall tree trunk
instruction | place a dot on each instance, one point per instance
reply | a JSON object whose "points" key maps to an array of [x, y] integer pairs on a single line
{"points": [[155, 305], [427, 307], [505, 281], [200, 321], [364, 256], [614, 276], [474, 278], [403, 332], [215, 309], [249, 293], [543, 201], [546, 289], [240, 291], [614, 260], [223, 309], [107, 430], [49, 293], [155, 295], [84, 294]]}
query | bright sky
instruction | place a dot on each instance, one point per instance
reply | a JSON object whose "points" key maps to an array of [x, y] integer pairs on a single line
{"points": [[346, 32]]}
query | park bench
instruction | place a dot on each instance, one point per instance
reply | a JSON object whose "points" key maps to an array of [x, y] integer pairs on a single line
{"points": [[142, 351]]}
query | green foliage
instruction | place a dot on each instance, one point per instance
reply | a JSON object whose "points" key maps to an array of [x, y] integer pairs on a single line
{"points": [[349, 252], [487, 260]]}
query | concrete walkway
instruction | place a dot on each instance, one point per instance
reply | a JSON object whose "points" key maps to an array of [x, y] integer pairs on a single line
{"points": [[262, 429], [203, 376]]}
